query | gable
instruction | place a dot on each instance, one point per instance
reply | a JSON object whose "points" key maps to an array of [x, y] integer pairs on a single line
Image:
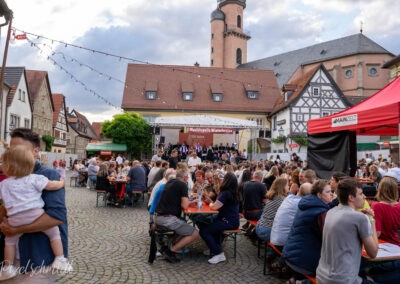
{"points": [[319, 97]]}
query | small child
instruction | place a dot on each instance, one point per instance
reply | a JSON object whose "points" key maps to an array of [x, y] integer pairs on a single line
{"points": [[62, 170], [21, 193]]}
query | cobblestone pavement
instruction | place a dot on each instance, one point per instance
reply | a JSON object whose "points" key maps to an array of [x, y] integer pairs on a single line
{"points": [[111, 245]]}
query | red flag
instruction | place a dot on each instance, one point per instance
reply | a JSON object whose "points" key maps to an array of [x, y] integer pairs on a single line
{"points": [[21, 36]]}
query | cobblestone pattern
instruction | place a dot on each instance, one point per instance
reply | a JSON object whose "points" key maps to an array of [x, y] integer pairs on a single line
{"points": [[111, 245]]}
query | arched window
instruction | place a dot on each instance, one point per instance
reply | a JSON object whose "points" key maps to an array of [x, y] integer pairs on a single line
{"points": [[239, 21], [238, 56]]}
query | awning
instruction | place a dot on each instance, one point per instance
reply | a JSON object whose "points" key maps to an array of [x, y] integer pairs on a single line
{"points": [[377, 115], [202, 120], [105, 146]]}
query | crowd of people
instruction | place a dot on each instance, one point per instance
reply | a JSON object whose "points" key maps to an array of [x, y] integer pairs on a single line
{"points": [[319, 225]]}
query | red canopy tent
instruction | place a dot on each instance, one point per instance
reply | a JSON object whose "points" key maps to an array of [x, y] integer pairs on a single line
{"points": [[377, 115], [332, 139]]}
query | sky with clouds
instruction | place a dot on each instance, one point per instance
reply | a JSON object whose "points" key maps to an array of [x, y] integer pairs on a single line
{"points": [[175, 32]]}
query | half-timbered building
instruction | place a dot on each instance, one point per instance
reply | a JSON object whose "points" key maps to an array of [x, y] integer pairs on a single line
{"points": [[311, 96], [60, 125]]}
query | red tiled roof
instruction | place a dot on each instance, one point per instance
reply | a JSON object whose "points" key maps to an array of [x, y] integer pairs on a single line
{"points": [[34, 80], [170, 81], [296, 86], [97, 128]]}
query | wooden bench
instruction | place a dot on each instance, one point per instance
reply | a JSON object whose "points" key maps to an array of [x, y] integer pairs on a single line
{"points": [[273, 247], [99, 194], [312, 279], [138, 192], [232, 234], [159, 235]]}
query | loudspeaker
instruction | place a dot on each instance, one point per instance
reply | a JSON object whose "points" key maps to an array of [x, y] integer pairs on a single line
{"points": [[157, 131], [162, 139]]}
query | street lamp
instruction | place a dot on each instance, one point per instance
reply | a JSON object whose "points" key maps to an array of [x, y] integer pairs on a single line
{"points": [[282, 134], [281, 131]]}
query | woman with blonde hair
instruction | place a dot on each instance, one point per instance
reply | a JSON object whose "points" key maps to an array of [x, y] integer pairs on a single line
{"points": [[271, 176], [275, 196], [375, 175]]}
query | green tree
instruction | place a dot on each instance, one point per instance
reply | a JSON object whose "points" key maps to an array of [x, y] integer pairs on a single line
{"points": [[49, 140], [301, 140], [130, 129]]}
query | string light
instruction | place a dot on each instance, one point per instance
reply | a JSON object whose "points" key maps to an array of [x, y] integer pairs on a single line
{"points": [[74, 78], [196, 72]]}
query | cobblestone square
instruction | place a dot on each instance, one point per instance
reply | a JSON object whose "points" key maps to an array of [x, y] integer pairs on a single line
{"points": [[111, 245]]}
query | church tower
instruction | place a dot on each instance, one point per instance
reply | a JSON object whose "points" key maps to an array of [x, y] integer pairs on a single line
{"points": [[228, 41]]}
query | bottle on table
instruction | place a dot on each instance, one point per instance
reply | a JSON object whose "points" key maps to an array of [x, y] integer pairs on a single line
{"points": [[199, 198]]}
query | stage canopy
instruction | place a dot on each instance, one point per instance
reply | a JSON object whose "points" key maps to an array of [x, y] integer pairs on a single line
{"points": [[202, 120], [377, 115]]}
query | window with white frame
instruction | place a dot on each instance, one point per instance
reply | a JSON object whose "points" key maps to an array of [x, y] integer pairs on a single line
{"points": [[27, 123], [187, 96], [14, 121], [217, 97], [253, 95], [19, 94], [151, 95]]}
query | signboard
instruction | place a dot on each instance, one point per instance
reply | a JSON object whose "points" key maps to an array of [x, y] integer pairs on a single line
{"points": [[105, 153], [293, 145], [209, 130], [281, 122], [345, 120], [386, 144]]}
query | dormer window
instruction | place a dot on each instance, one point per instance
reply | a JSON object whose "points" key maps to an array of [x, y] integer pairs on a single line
{"points": [[150, 95], [254, 95], [217, 97], [187, 96]]}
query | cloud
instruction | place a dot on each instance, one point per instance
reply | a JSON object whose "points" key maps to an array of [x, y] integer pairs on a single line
{"points": [[343, 6], [286, 27], [176, 32]]}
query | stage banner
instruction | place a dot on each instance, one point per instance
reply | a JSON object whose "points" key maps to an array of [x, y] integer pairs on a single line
{"points": [[209, 130]]}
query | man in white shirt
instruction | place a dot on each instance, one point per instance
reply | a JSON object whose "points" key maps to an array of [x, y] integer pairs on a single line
{"points": [[157, 157], [154, 170], [193, 161], [119, 159], [285, 215]]}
